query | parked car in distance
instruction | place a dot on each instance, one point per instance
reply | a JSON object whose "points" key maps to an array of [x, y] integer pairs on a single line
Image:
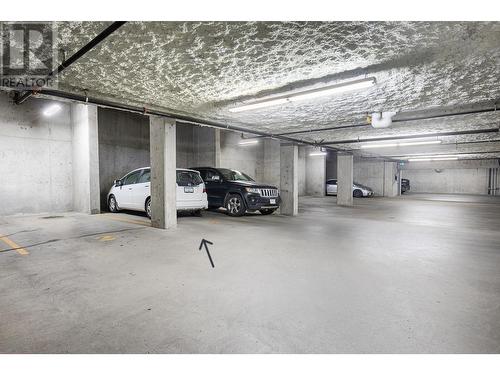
{"points": [[358, 190], [238, 192], [133, 192], [405, 185]]}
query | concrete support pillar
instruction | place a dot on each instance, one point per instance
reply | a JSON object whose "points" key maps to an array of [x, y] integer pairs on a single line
{"points": [[302, 171], [217, 148], [391, 183], [85, 158], [289, 189], [271, 162], [315, 173], [344, 179], [163, 172]]}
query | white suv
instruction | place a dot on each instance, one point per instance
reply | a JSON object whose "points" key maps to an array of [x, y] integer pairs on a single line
{"points": [[133, 192]]}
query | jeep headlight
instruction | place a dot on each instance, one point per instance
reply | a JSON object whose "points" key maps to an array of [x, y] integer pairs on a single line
{"points": [[252, 190]]}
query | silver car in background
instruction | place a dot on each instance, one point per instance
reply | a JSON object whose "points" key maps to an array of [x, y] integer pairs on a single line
{"points": [[358, 190]]}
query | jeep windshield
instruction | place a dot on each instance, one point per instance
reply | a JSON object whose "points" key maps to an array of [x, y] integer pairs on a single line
{"points": [[232, 175]]}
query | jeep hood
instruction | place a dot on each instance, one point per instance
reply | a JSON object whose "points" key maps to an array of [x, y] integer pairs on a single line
{"points": [[252, 184]]}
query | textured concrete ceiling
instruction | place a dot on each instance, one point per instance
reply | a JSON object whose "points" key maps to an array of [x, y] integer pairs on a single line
{"points": [[204, 68]]}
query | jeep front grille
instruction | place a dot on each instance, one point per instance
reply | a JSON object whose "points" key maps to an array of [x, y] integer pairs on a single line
{"points": [[271, 193]]}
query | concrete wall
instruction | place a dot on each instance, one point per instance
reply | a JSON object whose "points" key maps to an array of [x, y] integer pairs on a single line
{"points": [[195, 146], [315, 173], [204, 146], [467, 176], [247, 159], [371, 174], [452, 164], [448, 181], [331, 165], [123, 146], [311, 172], [35, 158], [449, 177], [184, 139]]}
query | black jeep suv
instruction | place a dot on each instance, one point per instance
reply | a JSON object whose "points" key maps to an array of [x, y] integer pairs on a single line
{"points": [[237, 192], [405, 185]]}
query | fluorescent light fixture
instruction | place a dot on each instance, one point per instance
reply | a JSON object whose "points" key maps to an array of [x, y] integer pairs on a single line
{"points": [[426, 156], [398, 144], [433, 159], [318, 153], [248, 107], [419, 143], [336, 89], [248, 142], [52, 110], [308, 94], [379, 145]]}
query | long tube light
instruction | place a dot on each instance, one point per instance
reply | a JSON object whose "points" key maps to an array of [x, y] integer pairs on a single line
{"points": [[423, 156], [249, 142], [433, 159], [318, 153], [399, 144], [308, 94]]}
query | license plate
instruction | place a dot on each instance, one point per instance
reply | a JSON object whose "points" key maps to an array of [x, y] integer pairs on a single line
{"points": [[272, 201], [188, 189]]}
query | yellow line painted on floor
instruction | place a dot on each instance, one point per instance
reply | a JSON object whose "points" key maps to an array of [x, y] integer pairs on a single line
{"points": [[110, 217], [107, 238], [13, 245]]}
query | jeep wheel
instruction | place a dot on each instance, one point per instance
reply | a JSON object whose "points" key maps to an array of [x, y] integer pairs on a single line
{"points": [[235, 205]]}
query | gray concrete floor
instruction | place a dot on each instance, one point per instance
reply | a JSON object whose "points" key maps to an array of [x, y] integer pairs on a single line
{"points": [[416, 274]]}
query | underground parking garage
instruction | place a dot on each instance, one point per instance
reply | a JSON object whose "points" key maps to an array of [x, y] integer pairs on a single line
{"points": [[344, 199]]}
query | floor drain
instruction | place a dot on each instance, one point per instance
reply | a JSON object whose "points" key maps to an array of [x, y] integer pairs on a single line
{"points": [[52, 217]]}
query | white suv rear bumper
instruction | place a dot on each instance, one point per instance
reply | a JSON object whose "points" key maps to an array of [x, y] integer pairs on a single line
{"points": [[192, 205]]}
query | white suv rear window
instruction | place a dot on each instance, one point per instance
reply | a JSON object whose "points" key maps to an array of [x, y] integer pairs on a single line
{"points": [[188, 178]]}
